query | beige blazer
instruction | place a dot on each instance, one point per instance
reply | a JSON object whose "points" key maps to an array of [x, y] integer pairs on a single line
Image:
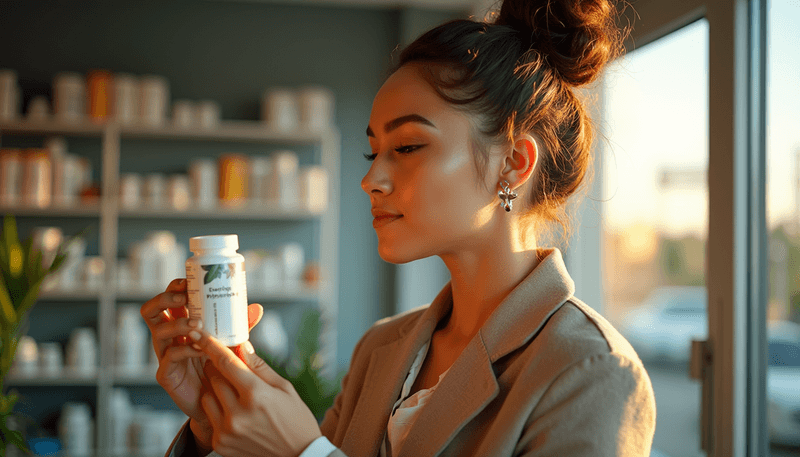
{"points": [[545, 376]]}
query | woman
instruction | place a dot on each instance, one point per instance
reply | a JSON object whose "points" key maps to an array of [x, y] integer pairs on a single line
{"points": [[477, 142]]}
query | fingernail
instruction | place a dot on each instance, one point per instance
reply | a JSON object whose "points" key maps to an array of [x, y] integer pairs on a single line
{"points": [[177, 298], [248, 348], [195, 323], [181, 281], [197, 346], [195, 335]]}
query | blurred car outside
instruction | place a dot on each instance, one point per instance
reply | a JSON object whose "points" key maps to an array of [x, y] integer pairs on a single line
{"points": [[662, 328], [783, 383]]}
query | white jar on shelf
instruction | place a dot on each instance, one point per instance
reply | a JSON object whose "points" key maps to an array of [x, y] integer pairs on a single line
{"points": [[179, 192], [38, 109], [121, 417], [203, 174], [314, 188], [316, 108], [183, 114], [293, 261], [69, 97], [76, 429], [93, 274], [26, 361], [9, 95], [125, 104], [130, 190], [154, 100], [154, 190], [270, 336], [207, 114], [10, 176], [279, 109], [51, 359], [82, 352], [283, 182], [260, 175], [131, 340]]}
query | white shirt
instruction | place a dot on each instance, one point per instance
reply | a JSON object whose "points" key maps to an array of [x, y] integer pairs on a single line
{"points": [[404, 413]]}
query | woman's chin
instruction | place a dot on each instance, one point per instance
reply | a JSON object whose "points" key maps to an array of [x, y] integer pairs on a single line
{"points": [[393, 255]]}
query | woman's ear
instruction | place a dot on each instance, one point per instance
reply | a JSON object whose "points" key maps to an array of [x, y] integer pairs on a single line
{"points": [[522, 161]]}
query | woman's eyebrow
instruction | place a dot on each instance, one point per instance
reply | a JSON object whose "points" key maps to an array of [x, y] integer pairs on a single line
{"points": [[393, 124]]}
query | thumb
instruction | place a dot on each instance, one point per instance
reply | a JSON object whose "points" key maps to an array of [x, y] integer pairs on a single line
{"points": [[260, 367]]}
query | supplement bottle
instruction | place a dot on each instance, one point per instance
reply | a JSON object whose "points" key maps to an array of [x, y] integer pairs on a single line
{"points": [[216, 287]]}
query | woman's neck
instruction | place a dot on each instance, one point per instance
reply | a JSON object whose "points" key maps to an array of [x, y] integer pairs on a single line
{"points": [[481, 278]]}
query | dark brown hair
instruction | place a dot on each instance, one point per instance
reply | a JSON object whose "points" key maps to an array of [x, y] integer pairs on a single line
{"points": [[517, 74]]}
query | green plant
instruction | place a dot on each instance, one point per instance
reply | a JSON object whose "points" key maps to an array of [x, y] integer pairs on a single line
{"points": [[303, 370], [22, 271]]}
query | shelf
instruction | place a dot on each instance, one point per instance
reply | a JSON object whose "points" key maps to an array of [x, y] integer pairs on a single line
{"points": [[69, 295], [63, 380], [53, 127], [246, 131], [266, 212], [147, 377], [227, 131], [84, 210]]}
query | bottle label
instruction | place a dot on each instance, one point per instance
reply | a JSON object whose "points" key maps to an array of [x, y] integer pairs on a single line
{"points": [[218, 295]]}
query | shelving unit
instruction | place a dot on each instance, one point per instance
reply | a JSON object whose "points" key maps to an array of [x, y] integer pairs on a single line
{"points": [[111, 215]]}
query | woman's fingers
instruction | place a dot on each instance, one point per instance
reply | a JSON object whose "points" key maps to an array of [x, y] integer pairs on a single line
{"points": [[156, 310], [164, 334], [169, 374], [254, 314], [225, 360]]}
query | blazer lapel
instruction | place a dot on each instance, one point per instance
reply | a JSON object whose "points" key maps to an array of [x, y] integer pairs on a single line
{"points": [[463, 392], [386, 372], [471, 383]]}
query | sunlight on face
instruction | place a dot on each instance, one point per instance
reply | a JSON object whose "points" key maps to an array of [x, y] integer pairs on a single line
{"points": [[424, 170]]}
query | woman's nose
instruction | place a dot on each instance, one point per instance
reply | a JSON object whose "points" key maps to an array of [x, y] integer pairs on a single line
{"points": [[376, 180]]}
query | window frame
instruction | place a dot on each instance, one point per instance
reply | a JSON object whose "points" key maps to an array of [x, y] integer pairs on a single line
{"points": [[736, 262]]}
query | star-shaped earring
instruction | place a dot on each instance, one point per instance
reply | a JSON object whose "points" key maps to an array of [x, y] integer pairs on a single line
{"points": [[506, 196]]}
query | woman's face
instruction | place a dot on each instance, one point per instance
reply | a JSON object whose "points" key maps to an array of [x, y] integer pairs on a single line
{"points": [[424, 172]]}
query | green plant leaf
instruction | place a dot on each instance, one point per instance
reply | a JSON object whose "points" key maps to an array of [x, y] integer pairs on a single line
{"points": [[7, 306], [57, 262], [30, 298], [10, 232]]}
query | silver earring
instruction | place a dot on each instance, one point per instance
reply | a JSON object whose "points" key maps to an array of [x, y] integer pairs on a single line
{"points": [[506, 196]]}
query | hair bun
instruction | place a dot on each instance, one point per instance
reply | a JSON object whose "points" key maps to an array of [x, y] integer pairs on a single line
{"points": [[576, 37]]}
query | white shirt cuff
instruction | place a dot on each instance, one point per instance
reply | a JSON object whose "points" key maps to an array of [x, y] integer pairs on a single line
{"points": [[320, 447]]}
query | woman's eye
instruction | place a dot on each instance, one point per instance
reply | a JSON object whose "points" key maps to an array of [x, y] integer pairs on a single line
{"points": [[399, 149], [407, 149]]}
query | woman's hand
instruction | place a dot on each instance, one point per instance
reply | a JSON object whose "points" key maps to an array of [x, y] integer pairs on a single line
{"points": [[180, 370], [253, 410]]}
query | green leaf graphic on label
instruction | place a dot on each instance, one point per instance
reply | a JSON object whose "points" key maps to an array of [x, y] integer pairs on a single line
{"points": [[212, 272]]}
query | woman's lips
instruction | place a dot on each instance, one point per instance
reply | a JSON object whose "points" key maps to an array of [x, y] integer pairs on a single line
{"points": [[380, 221]]}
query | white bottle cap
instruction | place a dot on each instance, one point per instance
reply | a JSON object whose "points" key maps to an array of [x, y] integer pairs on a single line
{"points": [[199, 243]]}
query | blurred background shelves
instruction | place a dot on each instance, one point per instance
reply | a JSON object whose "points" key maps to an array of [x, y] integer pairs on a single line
{"points": [[233, 130]]}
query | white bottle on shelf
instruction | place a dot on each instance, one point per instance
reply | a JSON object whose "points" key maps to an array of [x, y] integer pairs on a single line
{"points": [[82, 352], [204, 177], [283, 182], [69, 97], [121, 418], [9, 95], [76, 429], [131, 340]]}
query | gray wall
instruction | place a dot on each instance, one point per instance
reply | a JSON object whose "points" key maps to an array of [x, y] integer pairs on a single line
{"points": [[230, 52]]}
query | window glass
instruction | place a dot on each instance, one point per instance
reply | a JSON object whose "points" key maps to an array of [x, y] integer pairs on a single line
{"points": [[655, 219], [783, 225]]}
